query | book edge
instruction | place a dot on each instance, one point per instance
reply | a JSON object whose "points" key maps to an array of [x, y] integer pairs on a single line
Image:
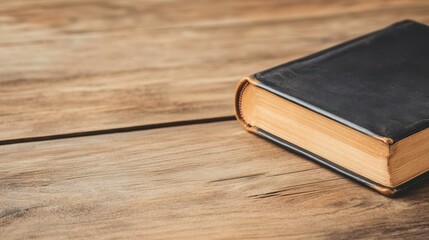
{"points": [[386, 191], [252, 79]]}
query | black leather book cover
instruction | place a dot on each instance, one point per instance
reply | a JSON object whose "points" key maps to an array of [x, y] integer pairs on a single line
{"points": [[377, 84]]}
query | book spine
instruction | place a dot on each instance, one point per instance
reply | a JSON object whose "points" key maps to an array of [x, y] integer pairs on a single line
{"points": [[241, 87]]}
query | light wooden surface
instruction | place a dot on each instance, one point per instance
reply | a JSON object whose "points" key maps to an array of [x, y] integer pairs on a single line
{"points": [[206, 181], [91, 65], [70, 68]]}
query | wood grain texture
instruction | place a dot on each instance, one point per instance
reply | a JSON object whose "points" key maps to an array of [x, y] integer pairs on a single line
{"points": [[202, 181], [74, 66]]}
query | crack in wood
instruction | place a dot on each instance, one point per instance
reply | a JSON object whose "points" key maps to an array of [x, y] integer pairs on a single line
{"points": [[278, 192], [117, 130], [299, 171], [239, 177]]}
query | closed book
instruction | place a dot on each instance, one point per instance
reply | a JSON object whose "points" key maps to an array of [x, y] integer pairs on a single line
{"points": [[360, 108]]}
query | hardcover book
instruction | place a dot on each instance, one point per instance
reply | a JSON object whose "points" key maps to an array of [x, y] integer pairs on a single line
{"points": [[360, 108]]}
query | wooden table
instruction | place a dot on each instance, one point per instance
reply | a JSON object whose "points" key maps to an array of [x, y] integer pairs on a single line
{"points": [[116, 123]]}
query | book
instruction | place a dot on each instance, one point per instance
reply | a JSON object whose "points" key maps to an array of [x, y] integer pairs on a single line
{"points": [[360, 108]]}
